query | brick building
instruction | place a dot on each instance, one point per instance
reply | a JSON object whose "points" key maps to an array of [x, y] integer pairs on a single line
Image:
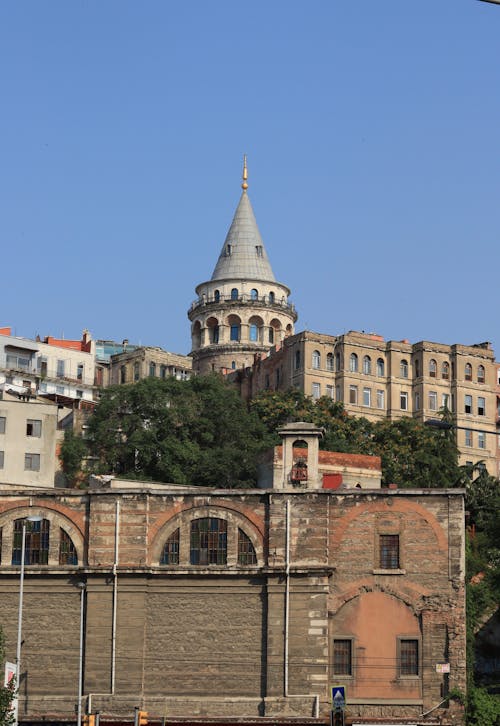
{"points": [[240, 605]]}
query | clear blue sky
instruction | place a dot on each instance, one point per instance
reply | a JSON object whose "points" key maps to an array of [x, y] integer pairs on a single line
{"points": [[372, 134]]}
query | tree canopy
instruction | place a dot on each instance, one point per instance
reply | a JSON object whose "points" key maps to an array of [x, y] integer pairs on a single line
{"points": [[189, 432]]}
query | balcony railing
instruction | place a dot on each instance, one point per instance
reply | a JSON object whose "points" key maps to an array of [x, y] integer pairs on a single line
{"points": [[259, 302], [25, 367]]}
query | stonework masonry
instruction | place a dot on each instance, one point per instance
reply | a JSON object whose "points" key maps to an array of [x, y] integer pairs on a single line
{"points": [[237, 637]]}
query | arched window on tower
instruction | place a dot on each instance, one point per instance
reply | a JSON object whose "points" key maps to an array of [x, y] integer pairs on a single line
{"points": [[234, 293], [271, 298], [216, 296], [254, 295]]}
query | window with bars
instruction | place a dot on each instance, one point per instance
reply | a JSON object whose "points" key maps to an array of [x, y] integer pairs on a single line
{"points": [[246, 550], [389, 551], [67, 550], [170, 553], [342, 657], [408, 657], [36, 548], [208, 541]]}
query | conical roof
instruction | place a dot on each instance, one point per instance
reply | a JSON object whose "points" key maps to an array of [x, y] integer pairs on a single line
{"points": [[243, 255]]}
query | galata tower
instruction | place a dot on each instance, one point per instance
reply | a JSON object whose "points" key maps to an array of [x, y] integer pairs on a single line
{"points": [[241, 311]]}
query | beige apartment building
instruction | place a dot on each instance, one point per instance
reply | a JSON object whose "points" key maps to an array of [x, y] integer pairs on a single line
{"points": [[28, 432], [381, 379], [131, 366]]}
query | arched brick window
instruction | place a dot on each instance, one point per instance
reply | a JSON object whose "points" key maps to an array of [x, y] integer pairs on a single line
{"points": [[36, 546], [246, 550], [208, 544], [170, 554]]}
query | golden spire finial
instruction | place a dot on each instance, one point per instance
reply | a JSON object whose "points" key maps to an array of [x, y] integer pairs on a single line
{"points": [[244, 186]]}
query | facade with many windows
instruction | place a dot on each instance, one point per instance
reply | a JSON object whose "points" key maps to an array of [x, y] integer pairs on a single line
{"points": [[381, 379], [239, 604]]}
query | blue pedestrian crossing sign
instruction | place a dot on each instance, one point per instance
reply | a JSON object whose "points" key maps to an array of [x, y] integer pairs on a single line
{"points": [[338, 698]]}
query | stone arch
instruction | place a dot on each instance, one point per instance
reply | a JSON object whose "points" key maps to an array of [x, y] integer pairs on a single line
{"points": [[234, 324], [275, 331], [255, 329], [182, 521], [196, 334], [212, 326], [57, 521]]}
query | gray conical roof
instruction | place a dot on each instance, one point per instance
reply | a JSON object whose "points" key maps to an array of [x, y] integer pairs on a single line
{"points": [[243, 255]]}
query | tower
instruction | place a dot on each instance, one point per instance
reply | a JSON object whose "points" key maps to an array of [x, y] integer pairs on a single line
{"points": [[242, 310]]}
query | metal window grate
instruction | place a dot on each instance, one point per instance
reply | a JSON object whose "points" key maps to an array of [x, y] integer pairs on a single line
{"points": [[36, 550], [409, 658], [389, 551], [170, 554], [208, 541], [246, 551], [342, 657], [67, 550]]}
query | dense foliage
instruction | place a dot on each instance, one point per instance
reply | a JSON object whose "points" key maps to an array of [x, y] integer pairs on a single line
{"points": [[8, 692], [412, 455], [188, 432], [73, 450]]}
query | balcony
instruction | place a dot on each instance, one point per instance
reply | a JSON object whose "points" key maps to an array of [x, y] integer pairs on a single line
{"points": [[206, 303]]}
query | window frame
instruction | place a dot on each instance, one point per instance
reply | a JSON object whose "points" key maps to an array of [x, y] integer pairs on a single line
{"points": [[403, 368], [353, 363], [32, 458], [338, 657], [316, 360], [403, 400], [389, 551], [415, 664]]}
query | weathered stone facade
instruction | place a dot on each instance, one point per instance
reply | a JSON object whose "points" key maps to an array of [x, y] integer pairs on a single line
{"points": [[240, 637]]}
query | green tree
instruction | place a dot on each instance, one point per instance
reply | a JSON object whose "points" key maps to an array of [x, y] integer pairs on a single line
{"points": [[189, 432], [7, 693], [73, 450]]}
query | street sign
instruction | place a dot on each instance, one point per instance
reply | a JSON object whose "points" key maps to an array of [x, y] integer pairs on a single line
{"points": [[338, 698]]}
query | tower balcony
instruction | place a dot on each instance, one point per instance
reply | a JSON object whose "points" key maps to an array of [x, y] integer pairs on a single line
{"points": [[207, 303]]}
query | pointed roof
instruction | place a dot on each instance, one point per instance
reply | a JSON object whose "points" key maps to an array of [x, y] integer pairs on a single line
{"points": [[243, 255]]}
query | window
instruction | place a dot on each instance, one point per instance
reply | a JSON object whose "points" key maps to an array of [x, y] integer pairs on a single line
{"points": [[480, 374], [330, 392], [271, 335], [36, 545], [353, 394], [338, 362], [272, 298], [403, 369], [163, 371], [254, 295], [445, 401], [408, 657], [445, 370], [342, 657], [79, 393], [32, 462], [316, 391], [234, 331], [208, 541], [67, 550], [233, 365], [246, 551], [33, 427], [79, 372], [258, 250], [481, 406], [60, 390], [316, 359], [329, 362], [481, 439], [216, 296], [433, 398], [123, 374], [353, 363], [468, 372], [367, 365], [367, 396], [170, 553], [2, 424], [136, 371], [2, 456], [389, 551], [60, 368], [403, 401], [417, 401], [468, 404], [234, 293], [297, 359], [417, 368], [380, 367], [228, 250], [380, 399], [254, 333], [468, 437]]}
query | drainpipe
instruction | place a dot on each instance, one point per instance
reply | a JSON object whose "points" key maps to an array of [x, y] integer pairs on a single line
{"points": [[287, 616], [115, 607]]}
